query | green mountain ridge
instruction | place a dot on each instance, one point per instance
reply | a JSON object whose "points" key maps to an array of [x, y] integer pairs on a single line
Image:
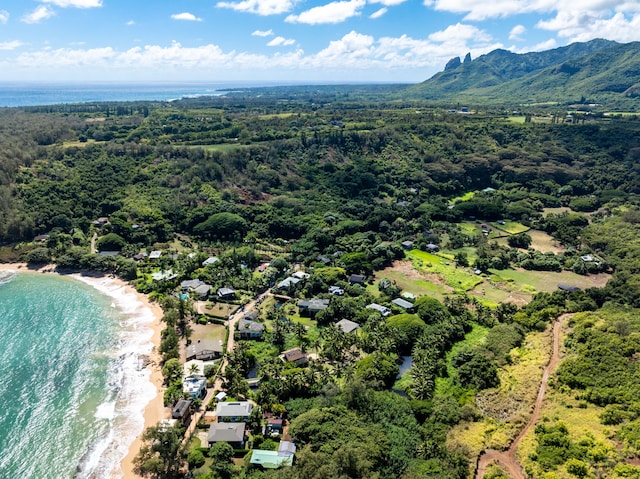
{"points": [[596, 71]]}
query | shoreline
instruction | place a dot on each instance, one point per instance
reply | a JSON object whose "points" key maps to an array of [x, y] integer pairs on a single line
{"points": [[154, 410]]}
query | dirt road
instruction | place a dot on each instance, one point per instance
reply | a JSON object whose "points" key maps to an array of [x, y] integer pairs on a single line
{"points": [[507, 459]]}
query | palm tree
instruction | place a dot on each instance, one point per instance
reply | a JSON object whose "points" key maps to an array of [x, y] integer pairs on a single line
{"points": [[194, 370]]}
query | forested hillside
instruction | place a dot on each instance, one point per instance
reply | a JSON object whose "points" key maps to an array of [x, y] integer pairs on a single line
{"points": [[448, 241]]}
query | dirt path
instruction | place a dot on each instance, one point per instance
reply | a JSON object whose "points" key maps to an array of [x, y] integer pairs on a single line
{"points": [[507, 459]]}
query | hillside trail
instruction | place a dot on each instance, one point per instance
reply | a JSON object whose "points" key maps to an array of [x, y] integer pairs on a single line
{"points": [[507, 459]]}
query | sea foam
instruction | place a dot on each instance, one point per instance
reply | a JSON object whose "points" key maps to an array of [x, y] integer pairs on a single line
{"points": [[130, 388]]}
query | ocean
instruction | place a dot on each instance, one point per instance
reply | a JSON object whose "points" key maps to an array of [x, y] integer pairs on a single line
{"points": [[13, 94], [73, 386]]}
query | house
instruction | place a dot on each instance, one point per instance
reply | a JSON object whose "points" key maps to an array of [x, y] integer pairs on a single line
{"points": [[166, 275], [356, 279], [568, 287], [210, 260], [407, 244], [109, 253], [347, 326], [233, 411], [248, 329], [229, 432], [300, 275], [295, 356], [202, 291], [432, 248], [195, 386], [204, 349], [155, 254], [274, 459], [182, 411], [41, 238], [337, 290], [140, 256], [262, 267], [270, 459], [226, 293], [313, 306], [189, 284], [100, 222], [409, 296], [383, 310], [273, 427], [287, 282], [323, 259], [404, 304]]}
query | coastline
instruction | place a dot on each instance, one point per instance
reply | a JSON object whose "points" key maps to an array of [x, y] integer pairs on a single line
{"points": [[115, 287]]}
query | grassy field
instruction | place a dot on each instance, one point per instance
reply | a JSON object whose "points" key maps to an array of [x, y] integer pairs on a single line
{"points": [[532, 281], [222, 147], [510, 227], [407, 278], [540, 241], [466, 197], [219, 310], [460, 279], [213, 332]]}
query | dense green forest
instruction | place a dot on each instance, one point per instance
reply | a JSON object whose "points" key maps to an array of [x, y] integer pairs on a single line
{"points": [[339, 184]]}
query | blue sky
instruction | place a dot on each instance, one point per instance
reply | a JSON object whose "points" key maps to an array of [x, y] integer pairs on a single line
{"points": [[286, 40]]}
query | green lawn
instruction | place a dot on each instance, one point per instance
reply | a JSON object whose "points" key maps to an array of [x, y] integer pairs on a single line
{"points": [[511, 227], [534, 281], [460, 279]]}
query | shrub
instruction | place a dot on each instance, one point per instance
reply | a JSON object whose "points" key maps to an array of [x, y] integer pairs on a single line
{"points": [[195, 459]]}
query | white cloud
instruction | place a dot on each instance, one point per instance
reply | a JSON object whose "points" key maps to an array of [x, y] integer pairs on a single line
{"points": [[584, 26], [517, 32], [379, 13], [577, 21], [189, 17], [538, 47], [12, 45], [259, 7], [262, 33], [4, 16], [334, 12], [281, 42], [388, 3], [75, 3], [130, 23], [40, 13], [347, 57]]}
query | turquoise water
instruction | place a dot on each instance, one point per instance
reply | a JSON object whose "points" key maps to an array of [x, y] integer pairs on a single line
{"points": [[72, 389]]}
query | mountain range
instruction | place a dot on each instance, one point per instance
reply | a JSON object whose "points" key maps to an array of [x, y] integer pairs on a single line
{"points": [[598, 71]]}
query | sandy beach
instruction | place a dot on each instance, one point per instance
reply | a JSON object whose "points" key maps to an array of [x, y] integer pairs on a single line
{"points": [[155, 410]]}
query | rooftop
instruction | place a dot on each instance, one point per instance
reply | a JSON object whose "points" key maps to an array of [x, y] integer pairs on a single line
{"points": [[226, 432], [233, 409], [347, 326], [270, 459]]}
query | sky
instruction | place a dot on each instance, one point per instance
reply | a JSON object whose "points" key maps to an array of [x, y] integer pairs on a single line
{"points": [[286, 41]]}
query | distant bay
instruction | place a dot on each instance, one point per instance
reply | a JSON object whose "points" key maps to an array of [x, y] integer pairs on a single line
{"points": [[73, 386], [13, 94]]}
